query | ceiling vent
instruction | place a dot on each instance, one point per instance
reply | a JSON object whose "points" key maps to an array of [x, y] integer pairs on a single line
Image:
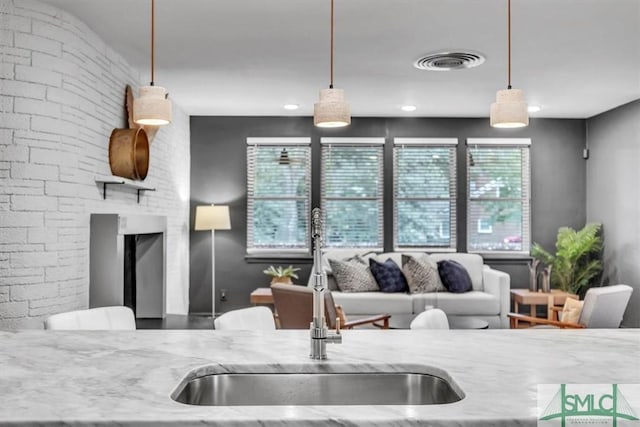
{"points": [[445, 61]]}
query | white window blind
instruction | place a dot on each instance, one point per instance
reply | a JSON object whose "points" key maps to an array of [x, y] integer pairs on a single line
{"points": [[499, 195], [278, 194], [351, 192], [424, 205]]}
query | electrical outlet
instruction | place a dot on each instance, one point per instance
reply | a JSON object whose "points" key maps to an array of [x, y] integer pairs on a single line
{"points": [[223, 294]]}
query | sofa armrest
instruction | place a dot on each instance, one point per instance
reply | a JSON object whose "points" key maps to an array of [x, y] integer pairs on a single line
{"points": [[498, 284]]}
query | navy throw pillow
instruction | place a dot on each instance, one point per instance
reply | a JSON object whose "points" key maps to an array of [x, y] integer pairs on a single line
{"points": [[454, 276], [388, 275]]}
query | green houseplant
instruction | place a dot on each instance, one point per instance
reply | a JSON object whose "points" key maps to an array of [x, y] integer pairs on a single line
{"points": [[281, 274], [576, 260]]}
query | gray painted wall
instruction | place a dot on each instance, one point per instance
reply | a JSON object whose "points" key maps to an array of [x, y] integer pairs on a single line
{"points": [[218, 175], [613, 197]]}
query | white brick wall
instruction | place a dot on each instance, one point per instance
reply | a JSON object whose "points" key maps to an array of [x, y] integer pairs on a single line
{"points": [[61, 95]]}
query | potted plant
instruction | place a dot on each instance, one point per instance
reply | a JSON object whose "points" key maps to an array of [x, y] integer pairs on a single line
{"points": [[281, 274], [576, 260]]}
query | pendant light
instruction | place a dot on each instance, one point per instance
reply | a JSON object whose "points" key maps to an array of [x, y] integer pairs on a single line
{"points": [[152, 106], [332, 110], [284, 158], [510, 109]]}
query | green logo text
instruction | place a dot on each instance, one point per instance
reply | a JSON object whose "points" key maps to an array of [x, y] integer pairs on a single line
{"points": [[587, 405]]}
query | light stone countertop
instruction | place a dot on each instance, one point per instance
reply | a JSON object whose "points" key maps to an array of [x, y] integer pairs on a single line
{"points": [[125, 378]]}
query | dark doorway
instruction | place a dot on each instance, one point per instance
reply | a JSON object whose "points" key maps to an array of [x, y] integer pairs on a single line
{"points": [[130, 271]]}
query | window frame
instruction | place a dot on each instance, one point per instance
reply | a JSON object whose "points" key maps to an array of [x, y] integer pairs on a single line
{"points": [[327, 143], [451, 143], [525, 198], [283, 142]]}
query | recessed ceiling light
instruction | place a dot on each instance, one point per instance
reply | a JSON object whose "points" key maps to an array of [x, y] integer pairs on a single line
{"points": [[534, 108], [408, 108], [291, 106]]}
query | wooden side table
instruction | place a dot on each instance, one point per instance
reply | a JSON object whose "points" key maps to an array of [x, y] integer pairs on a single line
{"points": [[534, 299], [261, 296]]}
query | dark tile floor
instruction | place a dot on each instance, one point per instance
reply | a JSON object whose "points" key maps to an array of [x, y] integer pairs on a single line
{"points": [[176, 321]]}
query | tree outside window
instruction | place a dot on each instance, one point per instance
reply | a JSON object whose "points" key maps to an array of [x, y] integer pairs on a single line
{"points": [[424, 193], [352, 194], [278, 193], [498, 197]]}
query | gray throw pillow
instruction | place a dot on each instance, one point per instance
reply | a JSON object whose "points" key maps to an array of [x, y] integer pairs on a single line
{"points": [[353, 275], [422, 274]]}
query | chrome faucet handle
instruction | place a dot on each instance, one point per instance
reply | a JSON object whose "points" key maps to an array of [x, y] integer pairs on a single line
{"points": [[316, 224], [337, 326], [318, 332]]}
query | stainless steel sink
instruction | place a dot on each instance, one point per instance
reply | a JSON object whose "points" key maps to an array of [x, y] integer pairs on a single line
{"points": [[317, 388]]}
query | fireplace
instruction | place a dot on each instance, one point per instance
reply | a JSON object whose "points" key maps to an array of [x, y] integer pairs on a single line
{"points": [[128, 263]]}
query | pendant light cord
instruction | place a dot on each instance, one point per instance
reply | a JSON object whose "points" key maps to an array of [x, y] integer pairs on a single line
{"points": [[153, 38], [331, 84], [509, 43]]}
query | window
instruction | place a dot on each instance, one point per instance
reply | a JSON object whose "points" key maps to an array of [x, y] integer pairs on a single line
{"points": [[424, 205], [351, 195], [498, 201], [278, 194]]}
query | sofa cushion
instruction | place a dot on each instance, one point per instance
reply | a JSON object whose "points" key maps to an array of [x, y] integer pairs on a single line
{"points": [[473, 263], [331, 283], [344, 254], [454, 276], [421, 273], [366, 303], [571, 310], [353, 275], [340, 254], [468, 303], [388, 275], [396, 256]]}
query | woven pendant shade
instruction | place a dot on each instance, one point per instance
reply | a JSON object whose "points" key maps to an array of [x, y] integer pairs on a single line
{"points": [[332, 110], [509, 110], [152, 107]]}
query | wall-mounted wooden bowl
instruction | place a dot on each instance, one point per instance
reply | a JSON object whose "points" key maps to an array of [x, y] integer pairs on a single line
{"points": [[129, 153]]}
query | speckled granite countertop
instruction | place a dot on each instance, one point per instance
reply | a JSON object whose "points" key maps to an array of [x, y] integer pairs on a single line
{"points": [[125, 378]]}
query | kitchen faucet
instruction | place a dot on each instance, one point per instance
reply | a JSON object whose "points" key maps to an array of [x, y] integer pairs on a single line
{"points": [[318, 331]]}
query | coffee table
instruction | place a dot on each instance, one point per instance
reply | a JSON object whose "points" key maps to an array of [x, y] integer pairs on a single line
{"points": [[467, 322], [402, 321]]}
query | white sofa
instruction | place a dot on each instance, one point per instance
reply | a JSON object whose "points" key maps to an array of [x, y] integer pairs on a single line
{"points": [[489, 300]]}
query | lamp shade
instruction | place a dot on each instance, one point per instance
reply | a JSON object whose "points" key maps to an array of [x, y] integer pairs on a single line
{"points": [[152, 107], [212, 217], [332, 110], [509, 110]]}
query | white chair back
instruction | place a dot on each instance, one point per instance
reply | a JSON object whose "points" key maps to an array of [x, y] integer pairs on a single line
{"points": [[102, 318], [252, 318], [430, 319], [604, 307]]}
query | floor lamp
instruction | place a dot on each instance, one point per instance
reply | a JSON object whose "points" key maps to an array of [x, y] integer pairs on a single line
{"points": [[210, 217]]}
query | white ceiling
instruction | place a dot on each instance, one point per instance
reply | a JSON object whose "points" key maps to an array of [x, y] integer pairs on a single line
{"points": [[575, 58]]}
